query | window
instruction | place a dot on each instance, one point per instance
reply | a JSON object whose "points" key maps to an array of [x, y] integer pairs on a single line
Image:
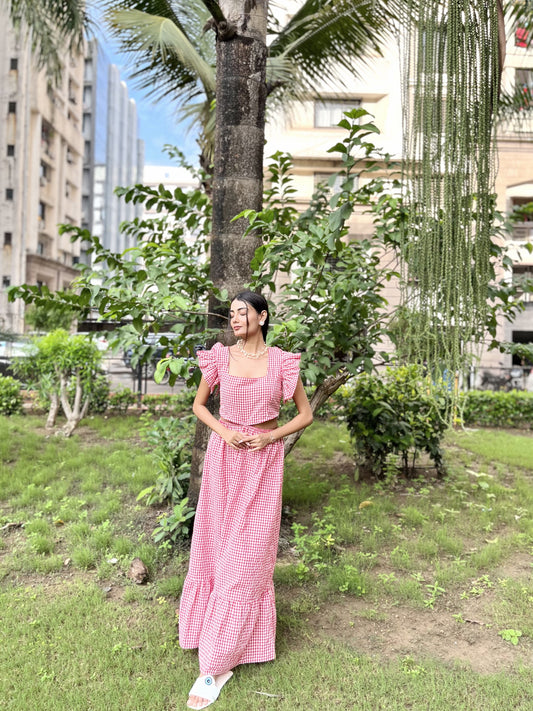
{"points": [[9, 193], [12, 107], [44, 174], [86, 126], [8, 239], [71, 92], [87, 152], [88, 70], [6, 282], [70, 156], [14, 64], [87, 95], [329, 113], [524, 81], [40, 250], [10, 150], [336, 187], [522, 273]]}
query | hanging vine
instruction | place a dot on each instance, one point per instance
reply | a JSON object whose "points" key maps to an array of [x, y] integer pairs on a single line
{"points": [[453, 59]]}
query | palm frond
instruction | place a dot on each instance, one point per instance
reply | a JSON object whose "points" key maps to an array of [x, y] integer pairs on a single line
{"points": [[280, 71], [53, 27], [326, 37], [162, 37], [516, 109], [170, 79], [202, 114]]}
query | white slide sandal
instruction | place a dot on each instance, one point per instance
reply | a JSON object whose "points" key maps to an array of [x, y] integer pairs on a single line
{"points": [[207, 688]]}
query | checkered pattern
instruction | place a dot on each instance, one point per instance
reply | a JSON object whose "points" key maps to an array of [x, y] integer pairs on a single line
{"points": [[250, 400], [227, 608]]}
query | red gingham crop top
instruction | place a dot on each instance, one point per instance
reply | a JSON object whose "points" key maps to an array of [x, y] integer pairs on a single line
{"points": [[250, 401]]}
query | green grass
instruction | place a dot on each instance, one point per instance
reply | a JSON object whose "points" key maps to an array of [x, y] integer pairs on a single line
{"points": [[513, 449], [74, 647], [77, 634]]}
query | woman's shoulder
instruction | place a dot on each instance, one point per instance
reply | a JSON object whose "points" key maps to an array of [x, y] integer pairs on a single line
{"points": [[215, 348], [207, 355], [285, 354], [287, 359], [218, 347]]}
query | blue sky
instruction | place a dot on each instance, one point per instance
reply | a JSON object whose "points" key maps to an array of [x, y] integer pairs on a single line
{"points": [[158, 123]]}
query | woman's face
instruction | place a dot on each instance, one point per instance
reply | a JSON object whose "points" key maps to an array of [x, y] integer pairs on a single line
{"points": [[244, 319]]}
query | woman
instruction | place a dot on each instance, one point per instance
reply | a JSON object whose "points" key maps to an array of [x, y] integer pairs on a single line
{"points": [[227, 608]]}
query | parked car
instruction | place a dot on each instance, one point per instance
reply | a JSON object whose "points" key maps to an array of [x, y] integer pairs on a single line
{"points": [[97, 337]]}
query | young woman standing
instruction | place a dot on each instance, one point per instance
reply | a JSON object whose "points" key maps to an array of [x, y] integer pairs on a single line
{"points": [[227, 608]]}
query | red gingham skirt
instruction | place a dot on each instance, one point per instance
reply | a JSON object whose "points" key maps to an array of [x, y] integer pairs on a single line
{"points": [[227, 607]]}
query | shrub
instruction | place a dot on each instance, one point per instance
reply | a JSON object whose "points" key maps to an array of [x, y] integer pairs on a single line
{"points": [[65, 369], [98, 391], [10, 397], [486, 408], [398, 413], [169, 439], [121, 399], [171, 527]]}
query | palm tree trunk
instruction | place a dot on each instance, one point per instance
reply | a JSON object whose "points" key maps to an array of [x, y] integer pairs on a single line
{"points": [[238, 170]]}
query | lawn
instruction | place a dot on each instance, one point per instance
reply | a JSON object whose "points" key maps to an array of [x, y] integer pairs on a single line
{"points": [[406, 595]]}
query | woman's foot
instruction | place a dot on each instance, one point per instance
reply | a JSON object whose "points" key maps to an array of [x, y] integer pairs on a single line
{"points": [[208, 685]]}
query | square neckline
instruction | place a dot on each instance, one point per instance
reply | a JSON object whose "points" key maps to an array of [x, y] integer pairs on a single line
{"points": [[245, 377]]}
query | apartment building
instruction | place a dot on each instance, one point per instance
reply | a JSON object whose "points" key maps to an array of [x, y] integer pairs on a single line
{"points": [[514, 182], [306, 131], [113, 152], [41, 151]]}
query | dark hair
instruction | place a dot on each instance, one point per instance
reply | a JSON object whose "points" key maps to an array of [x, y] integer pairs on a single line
{"points": [[258, 302]]}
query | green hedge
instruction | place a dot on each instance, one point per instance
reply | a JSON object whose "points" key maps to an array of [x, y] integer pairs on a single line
{"points": [[486, 408], [165, 404]]}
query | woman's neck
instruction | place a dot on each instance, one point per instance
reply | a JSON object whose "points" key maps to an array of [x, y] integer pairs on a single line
{"points": [[254, 344]]}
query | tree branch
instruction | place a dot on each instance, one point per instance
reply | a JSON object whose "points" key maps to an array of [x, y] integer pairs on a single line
{"points": [[326, 388], [215, 10]]}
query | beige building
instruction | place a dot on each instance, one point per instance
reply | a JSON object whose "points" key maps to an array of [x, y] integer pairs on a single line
{"points": [[307, 130], [41, 150]]}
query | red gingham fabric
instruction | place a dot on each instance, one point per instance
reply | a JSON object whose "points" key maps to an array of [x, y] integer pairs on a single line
{"points": [[250, 400], [227, 607]]}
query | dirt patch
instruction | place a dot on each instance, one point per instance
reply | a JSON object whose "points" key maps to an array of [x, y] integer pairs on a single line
{"points": [[399, 631], [427, 634]]}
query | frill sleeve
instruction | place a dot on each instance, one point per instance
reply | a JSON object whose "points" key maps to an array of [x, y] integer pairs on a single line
{"points": [[290, 370], [208, 362]]}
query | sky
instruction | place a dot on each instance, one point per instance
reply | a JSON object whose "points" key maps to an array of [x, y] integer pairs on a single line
{"points": [[158, 123]]}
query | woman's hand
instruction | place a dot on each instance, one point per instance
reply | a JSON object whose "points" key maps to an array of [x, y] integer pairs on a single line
{"points": [[254, 443], [237, 440], [259, 441]]}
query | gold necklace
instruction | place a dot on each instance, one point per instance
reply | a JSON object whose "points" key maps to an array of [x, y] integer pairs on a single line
{"points": [[240, 346]]}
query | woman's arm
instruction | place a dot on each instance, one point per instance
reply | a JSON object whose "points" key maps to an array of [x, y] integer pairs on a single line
{"points": [[231, 437], [303, 419]]}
